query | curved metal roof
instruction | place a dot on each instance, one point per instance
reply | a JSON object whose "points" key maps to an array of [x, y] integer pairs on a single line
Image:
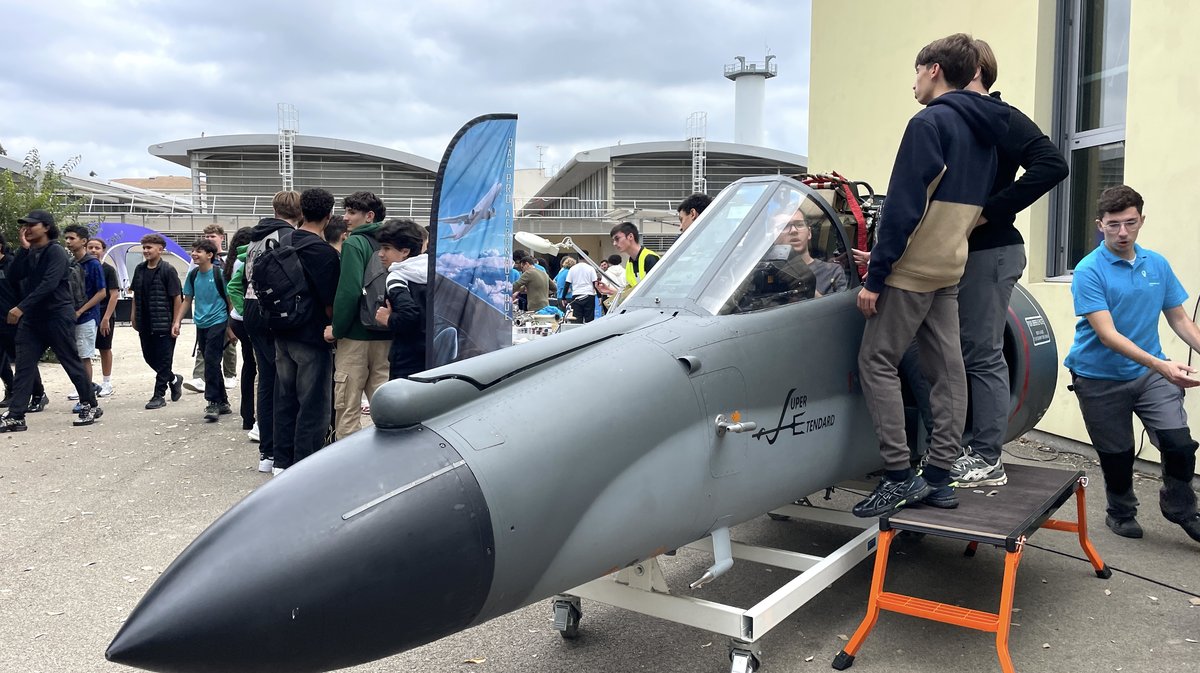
{"points": [[177, 151], [589, 161]]}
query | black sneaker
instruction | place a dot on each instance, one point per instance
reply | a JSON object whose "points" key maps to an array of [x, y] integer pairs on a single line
{"points": [[88, 415], [211, 412], [224, 409], [156, 402], [10, 424], [1124, 527], [889, 495], [942, 496], [1191, 526], [176, 388], [38, 404]]}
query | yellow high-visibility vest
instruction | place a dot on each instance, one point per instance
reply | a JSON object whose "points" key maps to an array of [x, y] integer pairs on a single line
{"points": [[632, 278]]}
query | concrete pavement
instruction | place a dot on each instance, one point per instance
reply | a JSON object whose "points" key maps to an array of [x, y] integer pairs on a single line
{"points": [[90, 516]]}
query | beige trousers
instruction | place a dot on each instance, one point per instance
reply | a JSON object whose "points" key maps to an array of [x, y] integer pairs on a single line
{"points": [[358, 367]]}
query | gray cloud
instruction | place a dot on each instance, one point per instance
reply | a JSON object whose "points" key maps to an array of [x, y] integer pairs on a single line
{"points": [[106, 80]]}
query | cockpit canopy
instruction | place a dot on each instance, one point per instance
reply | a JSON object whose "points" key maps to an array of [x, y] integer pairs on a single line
{"points": [[763, 242]]}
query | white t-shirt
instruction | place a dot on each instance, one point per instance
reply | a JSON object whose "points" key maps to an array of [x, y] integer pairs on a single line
{"points": [[581, 276]]}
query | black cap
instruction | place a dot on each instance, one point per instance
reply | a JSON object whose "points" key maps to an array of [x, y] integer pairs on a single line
{"points": [[38, 216]]}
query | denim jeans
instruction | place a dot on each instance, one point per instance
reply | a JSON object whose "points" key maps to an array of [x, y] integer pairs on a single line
{"points": [[302, 399]]}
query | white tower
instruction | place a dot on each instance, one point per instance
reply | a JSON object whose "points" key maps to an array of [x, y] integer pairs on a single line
{"points": [[750, 81], [289, 126], [697, 129]]}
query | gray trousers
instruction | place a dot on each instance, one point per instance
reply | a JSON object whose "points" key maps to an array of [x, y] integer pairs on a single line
{"points": [[1108, 408], [983, 296], [932, 318]]}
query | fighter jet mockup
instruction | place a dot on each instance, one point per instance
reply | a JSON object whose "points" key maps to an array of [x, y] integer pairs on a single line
{"points": [[461, 225], [739, 353]]}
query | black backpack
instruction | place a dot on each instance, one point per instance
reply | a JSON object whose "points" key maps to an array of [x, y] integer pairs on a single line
{"points": [[374, 288], [281, 285], [77, 279]]}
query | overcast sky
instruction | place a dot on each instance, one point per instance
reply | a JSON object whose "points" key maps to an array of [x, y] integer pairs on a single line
{"points": [[105, 80]]}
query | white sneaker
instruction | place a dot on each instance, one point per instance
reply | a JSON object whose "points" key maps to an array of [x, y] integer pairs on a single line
{"points": [[195, 385], [231, 382], [73, 397], [253, 434], [276, 471], [266, 465], [106, 389]]}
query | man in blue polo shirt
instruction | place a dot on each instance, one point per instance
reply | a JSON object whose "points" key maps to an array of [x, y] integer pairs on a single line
{"points": [[1118, 368]]}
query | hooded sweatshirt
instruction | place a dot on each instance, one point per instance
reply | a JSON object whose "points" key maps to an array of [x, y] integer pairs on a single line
{"points": [[406, 290], [1024, 146], [941, 179], [355, 252], [236, 289], [264, 228]]}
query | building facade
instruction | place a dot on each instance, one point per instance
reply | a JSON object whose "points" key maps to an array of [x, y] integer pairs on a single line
{"points": [[1110, 81]]}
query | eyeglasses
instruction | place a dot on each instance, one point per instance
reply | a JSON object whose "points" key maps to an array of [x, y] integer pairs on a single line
{"points": [[1115, 227]]}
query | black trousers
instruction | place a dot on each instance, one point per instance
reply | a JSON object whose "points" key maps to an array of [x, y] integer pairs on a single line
{"points": [[264, 356], [212, 345], [583, 307], [158, 350], [56, 332], [8, 359], [249, 373]]}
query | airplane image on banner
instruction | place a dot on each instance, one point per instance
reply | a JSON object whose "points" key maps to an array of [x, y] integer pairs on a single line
{"points": [[461, 225]]}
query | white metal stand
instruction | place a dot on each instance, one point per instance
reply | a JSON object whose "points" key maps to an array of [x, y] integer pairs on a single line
{"points": [[642, 588]]}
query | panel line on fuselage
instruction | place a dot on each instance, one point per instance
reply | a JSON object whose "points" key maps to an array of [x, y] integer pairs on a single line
{"points": [[410, 485]]}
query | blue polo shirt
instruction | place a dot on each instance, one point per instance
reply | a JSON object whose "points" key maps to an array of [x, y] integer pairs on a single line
{"points": [[1135, 293]]}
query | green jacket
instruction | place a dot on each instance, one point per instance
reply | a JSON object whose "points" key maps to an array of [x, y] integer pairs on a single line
{"points": [[236, 289], [355, 252]]}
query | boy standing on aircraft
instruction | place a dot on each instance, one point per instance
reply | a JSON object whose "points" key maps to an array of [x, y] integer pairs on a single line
{"points": [[1118, 368], [995, 262], [940, 181]]}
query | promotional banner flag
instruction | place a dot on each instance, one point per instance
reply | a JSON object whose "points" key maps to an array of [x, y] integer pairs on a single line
{"points": [[470, 243]]}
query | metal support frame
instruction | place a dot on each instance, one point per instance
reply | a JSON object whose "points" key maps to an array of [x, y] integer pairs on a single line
{"points": [[642, 588], [999, 622]]}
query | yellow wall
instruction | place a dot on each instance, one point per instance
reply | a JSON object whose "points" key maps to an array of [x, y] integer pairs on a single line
{"points": [[861, 98]]}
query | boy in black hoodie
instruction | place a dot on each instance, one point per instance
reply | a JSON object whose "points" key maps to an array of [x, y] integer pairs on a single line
{"points": [[940, 182], [994, 264], [287, 216]]}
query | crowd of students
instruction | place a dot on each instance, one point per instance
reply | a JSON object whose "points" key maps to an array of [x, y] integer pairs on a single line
{"points": [[326, 309]]}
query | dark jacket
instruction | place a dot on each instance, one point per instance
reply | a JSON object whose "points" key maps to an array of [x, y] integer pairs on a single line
{"points": [[155, 291], [320, 263], [1024, 146], [407, 290], [41, 276], [9, 293], [251, 316], [942, 177]]}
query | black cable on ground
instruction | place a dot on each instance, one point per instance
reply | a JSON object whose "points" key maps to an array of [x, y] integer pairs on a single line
{"points": [[1118, 570]]}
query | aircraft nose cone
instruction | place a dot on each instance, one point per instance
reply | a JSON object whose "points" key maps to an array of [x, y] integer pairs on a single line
{"points": [[379, 543]]}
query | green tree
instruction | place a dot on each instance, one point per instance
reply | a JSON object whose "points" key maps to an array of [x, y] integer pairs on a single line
{"points": [[38, 185]]}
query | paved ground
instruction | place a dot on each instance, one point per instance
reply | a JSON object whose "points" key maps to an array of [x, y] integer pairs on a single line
{"points": [[90, 516]]}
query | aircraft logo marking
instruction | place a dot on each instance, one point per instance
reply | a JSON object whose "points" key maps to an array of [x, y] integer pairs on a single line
{"points": [[796, 406]]}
